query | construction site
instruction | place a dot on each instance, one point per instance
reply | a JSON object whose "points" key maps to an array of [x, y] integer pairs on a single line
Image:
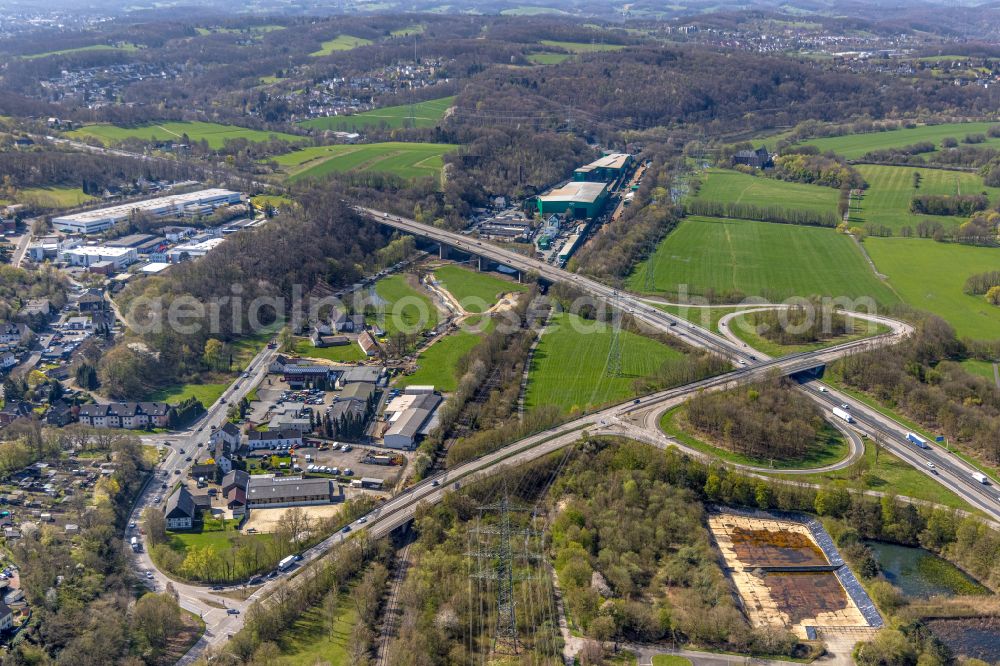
{"points": [[788, 574]]}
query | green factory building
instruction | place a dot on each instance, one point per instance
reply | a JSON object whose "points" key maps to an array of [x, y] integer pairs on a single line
{"points": [[608, 169], [583, 199]]}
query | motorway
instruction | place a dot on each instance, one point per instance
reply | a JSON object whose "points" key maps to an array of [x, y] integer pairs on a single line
{"points": [[638, 418]]}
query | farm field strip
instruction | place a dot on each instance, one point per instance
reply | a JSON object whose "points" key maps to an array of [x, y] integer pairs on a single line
{"points": [[775, 261], [421, 114], [890, 189], [569, 370], [406, 160], [853, 146], [214, 133], [725, 186]]}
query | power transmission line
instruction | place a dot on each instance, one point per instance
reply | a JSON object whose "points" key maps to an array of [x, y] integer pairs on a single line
{"points": [[495, 562]]}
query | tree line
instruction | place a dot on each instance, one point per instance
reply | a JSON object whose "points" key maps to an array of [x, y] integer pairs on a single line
{"points": [[775, 214], [944, 204]]}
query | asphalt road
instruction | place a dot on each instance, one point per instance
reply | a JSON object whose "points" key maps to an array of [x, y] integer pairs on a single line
{"points": [[638, 418]]}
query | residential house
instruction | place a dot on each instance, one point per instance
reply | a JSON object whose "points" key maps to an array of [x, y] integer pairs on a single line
{"points": [[15, 334], [204, 469], [129, 415], [347, 323], [757, 159], [228, 434], [13, 410], [7, 360], [60, 414], [234, 488], [91, 302], [6, 617], [269, 439], [180, 510]]}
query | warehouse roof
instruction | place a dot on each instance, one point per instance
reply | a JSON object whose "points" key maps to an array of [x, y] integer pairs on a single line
{"points": [[612, 161], [124, 210], [267, 486], [575, 191]]}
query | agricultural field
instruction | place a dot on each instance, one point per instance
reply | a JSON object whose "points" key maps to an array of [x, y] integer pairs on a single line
{"points": [[406, 160], [421, 114], [54, 197], [475, 292], [529, 10], [343, 354], [725, 186], [853, 146], [930, 276], [437, 365], [415, 29], [406, 309], [774, 261], [214, 133], [890, 189], [125, 47], [548, 58], [340, 43], [569, 367], [582, 47], [273, 200]]}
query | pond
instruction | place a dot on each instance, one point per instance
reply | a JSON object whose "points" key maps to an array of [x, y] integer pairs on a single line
{"points": [[920, 573]]}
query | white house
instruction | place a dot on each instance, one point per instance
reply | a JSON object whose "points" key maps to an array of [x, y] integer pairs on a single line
{"points": [[180, 510], [6, 617]]}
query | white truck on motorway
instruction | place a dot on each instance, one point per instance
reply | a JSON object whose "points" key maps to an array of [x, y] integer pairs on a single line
{"points": [[843, 414], [980, 477], [286, 562], [136, 544]]}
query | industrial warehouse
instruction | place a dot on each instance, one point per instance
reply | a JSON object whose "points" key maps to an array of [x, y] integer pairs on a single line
{"points": [[190, 204]]}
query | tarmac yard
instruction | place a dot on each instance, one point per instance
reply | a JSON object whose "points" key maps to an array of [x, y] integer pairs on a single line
{"points": [[782, 576]]}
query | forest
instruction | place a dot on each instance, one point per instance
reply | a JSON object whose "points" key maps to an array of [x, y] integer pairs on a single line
{"points": [[763, 421]]}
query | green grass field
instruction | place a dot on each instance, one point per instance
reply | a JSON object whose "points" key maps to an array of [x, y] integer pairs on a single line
{"points": [[214, 534], [548, 58], [436, 365], [890, 189], [930, 276], [125, 47], [853, 146], [415, 29], [568, 368], [581, 47], [726, 186], [982, 368], [273, 200], [54, 197], [670, 660], [343, 354], [340, 43], [834, 447], [206, 393], [475, 292], [759, 259], [315, 639], [406, 160], [406, 309], [421, 114], [214, 133], [892, 475]]}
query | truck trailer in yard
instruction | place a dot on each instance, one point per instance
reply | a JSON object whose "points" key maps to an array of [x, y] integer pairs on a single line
{"points": [[917, 440], [843, 414]]}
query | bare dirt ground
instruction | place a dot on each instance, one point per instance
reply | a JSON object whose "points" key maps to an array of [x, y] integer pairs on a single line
{"points": [[267, 520]]}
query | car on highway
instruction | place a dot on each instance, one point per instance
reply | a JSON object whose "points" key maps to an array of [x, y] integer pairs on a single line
{"points": [[232, 611], [435, 483], [246, 375], [845, 406], [823, 389], [931, 467], [188, 459], [362, 520], [347, 528]]}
